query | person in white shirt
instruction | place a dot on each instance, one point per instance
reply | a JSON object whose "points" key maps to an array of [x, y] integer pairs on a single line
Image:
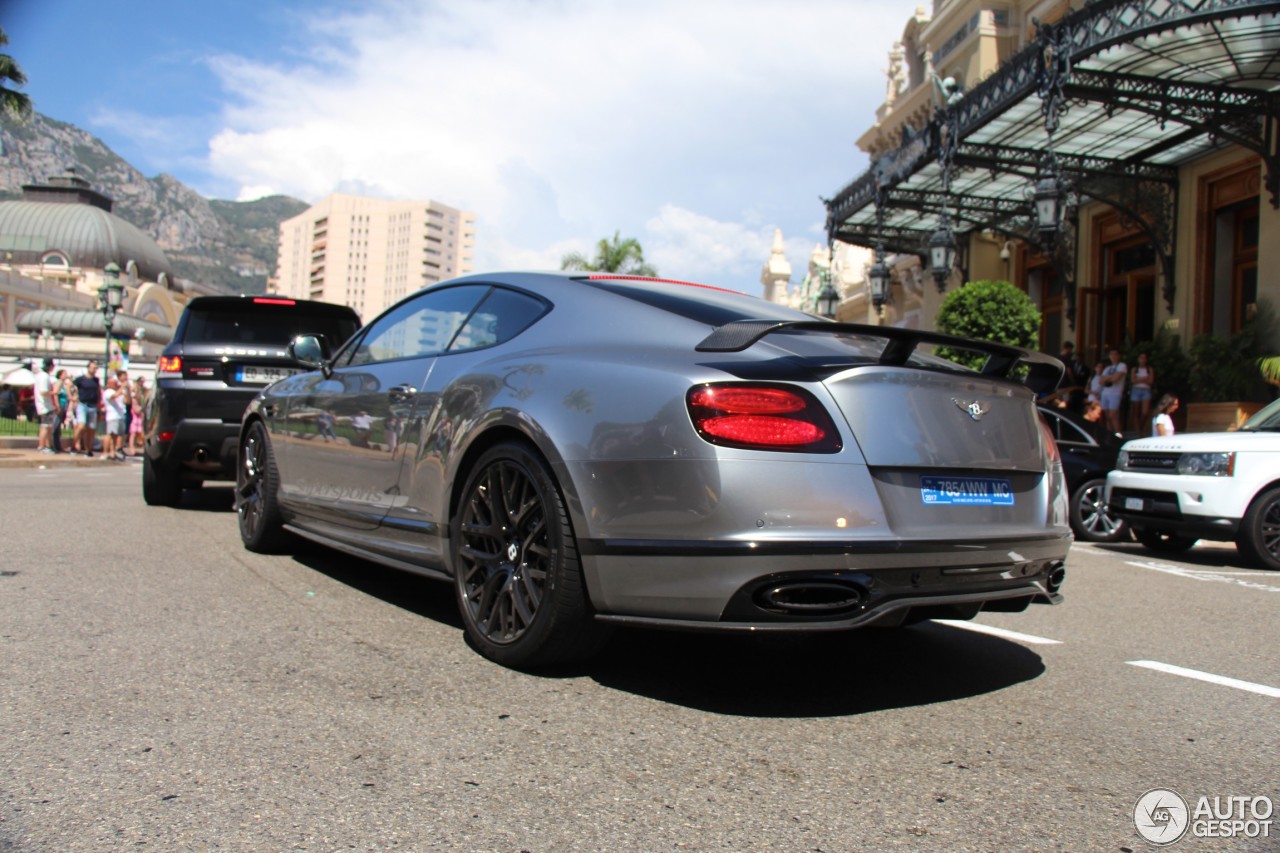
{"points": [[113, 441], [46, 406], [1162, 423], [1113, 379]]}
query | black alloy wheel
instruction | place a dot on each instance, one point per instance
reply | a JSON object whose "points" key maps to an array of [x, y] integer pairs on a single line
{"points": [[1259, 536], [517, 574], [1089, 516], [257, 481], [1166, 543]]}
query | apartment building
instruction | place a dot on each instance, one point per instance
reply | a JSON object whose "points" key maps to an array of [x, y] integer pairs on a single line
{"points": [[369, 253]]}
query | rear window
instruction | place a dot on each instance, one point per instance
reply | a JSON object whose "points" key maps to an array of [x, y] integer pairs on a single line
{"points": [[262, 324]]}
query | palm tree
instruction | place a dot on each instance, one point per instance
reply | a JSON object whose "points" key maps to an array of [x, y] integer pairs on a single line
{"points": [[614, 255], [12, 102]]}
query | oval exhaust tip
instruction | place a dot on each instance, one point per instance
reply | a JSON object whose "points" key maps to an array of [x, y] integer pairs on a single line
{"points": [[811, 597]]}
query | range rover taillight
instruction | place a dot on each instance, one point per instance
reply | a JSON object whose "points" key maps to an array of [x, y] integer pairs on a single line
{"points": [[169, 365], [762, 417]]}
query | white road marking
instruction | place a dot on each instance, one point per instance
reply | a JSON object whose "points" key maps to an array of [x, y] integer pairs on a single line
{"points": [[979, 628], [1208, 575], [1261, 689]]}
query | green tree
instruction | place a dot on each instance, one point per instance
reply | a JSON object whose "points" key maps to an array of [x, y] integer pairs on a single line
{"points": [[614, 255], [12, 102], [993, 311]]}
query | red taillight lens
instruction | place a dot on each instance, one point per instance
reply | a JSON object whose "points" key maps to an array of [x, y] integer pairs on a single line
{"points": [[762, 417], [267, 300], [1050, 443], [171, 364]]}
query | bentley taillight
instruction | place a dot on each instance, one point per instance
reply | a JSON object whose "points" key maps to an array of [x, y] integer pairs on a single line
{"points": [[762, 417]]}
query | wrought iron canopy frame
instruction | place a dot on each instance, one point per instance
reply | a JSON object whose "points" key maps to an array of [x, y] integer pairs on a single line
{"points": [[1136, 101]]}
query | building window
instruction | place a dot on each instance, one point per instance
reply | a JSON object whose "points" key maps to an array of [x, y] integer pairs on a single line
{"points": [[1226, 293]]}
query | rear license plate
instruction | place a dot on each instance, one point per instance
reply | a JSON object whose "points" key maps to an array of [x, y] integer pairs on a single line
{"points": [[1133, 503], [966, 491], [263, 375]]}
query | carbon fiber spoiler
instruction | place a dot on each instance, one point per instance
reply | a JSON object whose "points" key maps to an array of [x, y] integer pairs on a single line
{"points": [[1044, 371]]}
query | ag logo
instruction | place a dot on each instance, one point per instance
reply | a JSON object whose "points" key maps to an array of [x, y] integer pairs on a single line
{"points": [[1161, 816]]}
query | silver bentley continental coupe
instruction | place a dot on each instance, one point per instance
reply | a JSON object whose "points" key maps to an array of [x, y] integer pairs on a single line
{"points": [[576, 451]]}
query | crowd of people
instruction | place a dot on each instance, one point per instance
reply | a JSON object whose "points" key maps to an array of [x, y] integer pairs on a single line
{"points": [[84, 406], [1101, 394]]}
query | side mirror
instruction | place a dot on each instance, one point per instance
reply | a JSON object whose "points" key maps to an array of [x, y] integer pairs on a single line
{"points": [[308, 351]]}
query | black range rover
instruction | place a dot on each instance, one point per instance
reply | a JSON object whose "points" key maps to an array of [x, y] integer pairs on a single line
{"points": [[225, 350]]}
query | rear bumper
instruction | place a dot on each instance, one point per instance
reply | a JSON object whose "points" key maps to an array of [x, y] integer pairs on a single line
{"points": [[203, 449], [203, 420], [817, 586]]}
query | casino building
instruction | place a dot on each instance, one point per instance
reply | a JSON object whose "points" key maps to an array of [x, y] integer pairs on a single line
{"points": [[1119, 160], [56, 244]]}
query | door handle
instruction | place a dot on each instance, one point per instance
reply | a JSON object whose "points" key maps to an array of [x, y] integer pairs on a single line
{"points": [[400, 393], [269, 410]]}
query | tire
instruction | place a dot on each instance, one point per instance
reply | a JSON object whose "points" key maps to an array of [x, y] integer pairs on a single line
{"points": [[160, 487], [1259, 536], [257, 485], [1165, 543], [1089, 517], [516, 570]]}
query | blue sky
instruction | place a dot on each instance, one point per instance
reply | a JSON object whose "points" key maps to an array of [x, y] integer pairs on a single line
{"points": [[696, 127]]}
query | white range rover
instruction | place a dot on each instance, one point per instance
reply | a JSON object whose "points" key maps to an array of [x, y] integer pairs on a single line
{"points": [[1177, 489]]}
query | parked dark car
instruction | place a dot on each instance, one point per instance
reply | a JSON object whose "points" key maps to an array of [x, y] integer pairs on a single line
{"points": [[579, 451], [224, 350], [1088, 453]]}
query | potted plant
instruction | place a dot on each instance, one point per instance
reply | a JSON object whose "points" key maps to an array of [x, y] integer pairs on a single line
{"points": [[1226, 384]]}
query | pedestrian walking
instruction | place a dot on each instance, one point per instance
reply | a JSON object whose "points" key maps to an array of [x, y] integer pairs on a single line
{"points": [[1162, 423], [113, 437], [46, 406], [137, 397], [89, 392], [62, 399]]}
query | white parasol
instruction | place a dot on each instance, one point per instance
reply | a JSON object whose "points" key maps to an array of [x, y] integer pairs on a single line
{"points": [[21, 376]]}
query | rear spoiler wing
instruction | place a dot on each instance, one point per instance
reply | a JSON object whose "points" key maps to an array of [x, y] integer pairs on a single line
{"points": [[1044, 371]]}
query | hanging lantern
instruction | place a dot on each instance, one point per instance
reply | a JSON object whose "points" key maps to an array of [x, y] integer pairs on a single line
{"points": [[878, 279], [942, 254]]}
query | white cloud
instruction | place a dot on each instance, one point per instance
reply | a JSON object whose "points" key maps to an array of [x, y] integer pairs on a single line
{"points": [[698, 128]]}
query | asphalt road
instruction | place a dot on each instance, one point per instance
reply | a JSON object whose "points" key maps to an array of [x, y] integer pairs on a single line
{"points": [[163, 689]]}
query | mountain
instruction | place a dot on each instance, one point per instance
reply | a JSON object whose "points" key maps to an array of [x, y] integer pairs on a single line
{"points": [[231, 245]]}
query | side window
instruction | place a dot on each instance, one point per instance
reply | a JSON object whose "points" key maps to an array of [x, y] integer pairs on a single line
{"points": [[1071, 433], [501, 316], [420, 327]]}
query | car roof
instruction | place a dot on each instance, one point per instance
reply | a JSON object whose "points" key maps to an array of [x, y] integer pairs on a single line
{"points": [[241, 301]]}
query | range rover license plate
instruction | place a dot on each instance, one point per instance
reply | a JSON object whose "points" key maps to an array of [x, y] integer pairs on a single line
{"points": [[1133, 503], [966, 491], [263, 375]]}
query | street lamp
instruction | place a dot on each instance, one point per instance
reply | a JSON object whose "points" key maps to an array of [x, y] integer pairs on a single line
{"points": [[878, 278], [828, 299], [942, 253], [1047, 194], [111, 296]]}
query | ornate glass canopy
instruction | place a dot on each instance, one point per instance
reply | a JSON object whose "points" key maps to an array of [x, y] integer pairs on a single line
{"points": [[1120, 93]]}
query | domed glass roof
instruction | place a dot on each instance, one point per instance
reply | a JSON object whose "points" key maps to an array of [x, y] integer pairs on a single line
{"points": [[86, 234]]}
